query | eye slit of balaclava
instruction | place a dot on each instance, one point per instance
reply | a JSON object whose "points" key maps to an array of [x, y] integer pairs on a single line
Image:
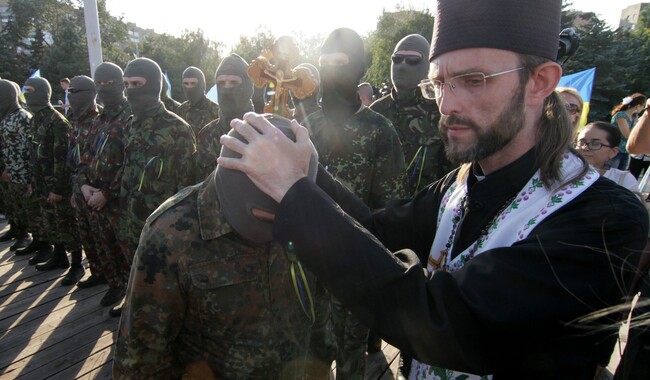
{"points": [[234, 102], [144, 100], [109, 94], [196, 93]]}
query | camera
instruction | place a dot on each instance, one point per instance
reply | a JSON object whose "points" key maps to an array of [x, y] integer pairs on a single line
{"points": [[569, 43]]}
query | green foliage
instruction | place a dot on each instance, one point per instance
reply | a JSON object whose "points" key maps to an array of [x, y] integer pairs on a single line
{"points": [[391, 28], [250, 48], [175, 54]]}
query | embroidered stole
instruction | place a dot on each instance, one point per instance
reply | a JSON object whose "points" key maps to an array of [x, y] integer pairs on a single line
{"points": [[529, 208]]}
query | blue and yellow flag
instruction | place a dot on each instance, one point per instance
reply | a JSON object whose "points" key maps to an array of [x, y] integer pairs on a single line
{"points": [[169, 85], [583, 82]]}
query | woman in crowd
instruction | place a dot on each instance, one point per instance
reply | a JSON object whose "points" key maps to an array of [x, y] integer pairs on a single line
{"points": [[622, 118]]}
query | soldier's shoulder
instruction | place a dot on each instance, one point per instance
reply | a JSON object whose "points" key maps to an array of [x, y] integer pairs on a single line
{"points": [[178, 204], [211, 130], [382, 104], [373, 119]]}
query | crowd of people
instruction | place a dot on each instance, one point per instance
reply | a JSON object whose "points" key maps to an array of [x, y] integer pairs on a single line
{"points": [[464, 217]]}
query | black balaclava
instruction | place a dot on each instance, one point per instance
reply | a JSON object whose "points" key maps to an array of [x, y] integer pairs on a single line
{"points": [[238, 195], [40, 98], [110, 95], [406, 77], [339, 83], [81, 95], [8, 98], [313, 98], [196, 93], [145, 100], [234, 102]]}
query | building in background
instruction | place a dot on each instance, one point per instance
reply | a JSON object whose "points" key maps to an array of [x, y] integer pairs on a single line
{"points": [[630, 15]]}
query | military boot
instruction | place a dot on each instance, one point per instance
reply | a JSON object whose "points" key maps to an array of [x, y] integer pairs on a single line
{"points": [[33, 247], [42, 254], [59, 260], [10, 235], [76, 271], [22, 241]]}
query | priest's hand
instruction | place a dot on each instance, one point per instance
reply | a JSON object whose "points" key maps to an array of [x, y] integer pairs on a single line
{"points": [[270, 159]]}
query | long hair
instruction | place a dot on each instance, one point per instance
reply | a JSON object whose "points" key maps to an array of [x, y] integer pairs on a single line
{"points": [[555, 132], [636, 99]]}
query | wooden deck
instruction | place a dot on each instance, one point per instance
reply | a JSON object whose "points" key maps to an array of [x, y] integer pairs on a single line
{"points": [[48, 331]]}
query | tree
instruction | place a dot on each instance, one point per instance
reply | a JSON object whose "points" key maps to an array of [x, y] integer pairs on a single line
{"points": [[250, 48], [391, 28]]}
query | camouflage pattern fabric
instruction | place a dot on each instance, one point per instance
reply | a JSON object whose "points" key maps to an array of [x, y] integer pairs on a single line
{"points": [[365, 155], [81, 130], [104, 154], [198, 115], [158, 162], [204, 303], [416, 122], [50, 174], [169, 103], [15, 132], [209, 148]]}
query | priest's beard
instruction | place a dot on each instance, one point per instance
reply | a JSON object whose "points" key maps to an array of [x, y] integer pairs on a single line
{"points": [[489, 139]]}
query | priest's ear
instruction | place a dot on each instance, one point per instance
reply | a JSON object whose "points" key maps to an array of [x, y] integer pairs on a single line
{"points": [[542, 82]]}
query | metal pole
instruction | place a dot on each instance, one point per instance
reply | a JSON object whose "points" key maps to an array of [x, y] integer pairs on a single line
{"points": [[93, 35]]}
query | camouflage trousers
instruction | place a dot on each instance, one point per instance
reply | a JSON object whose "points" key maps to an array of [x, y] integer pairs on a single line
{"points": [[351, 341], [113, 264], [37, 225], [59, 222], [5, 207], [130, 228], [82, 216], [16, 202]]}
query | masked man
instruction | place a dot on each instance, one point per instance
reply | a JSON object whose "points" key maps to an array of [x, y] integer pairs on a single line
{"points": [[51, 178], [15, 131], [99, 180], [414, 117], [361, 149], [234, 91], [197, 110], [158, 156], [233, 304]]}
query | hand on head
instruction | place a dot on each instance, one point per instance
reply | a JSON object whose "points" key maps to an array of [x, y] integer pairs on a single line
{"points": [[270, 159]]}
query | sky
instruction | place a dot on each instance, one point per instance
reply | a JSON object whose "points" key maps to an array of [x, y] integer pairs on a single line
{"points": [[225, 21]]}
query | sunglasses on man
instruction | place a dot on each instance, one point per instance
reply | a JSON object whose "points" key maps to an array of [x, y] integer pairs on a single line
{"points": [[409, 59]]}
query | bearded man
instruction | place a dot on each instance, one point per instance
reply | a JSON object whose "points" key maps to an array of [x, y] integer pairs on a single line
{"points": [[519, 243]]}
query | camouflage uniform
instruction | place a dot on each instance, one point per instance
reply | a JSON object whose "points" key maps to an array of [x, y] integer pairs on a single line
{"points": [[203, 303], [171, 104], [209, 148], [81, 129], [416, 122], [158, 162], [15, 132], [50, 174], [101, 169], [365, 155], [197, 116]]}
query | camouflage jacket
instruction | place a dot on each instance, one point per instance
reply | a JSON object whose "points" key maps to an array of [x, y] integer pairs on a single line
{"points": [[49, 154], [416, 121], [204, 303], [197, 116], [15, 132], [158, 162], [209, 148], [364, 154], [81, 128], [104, 151], [169, 103]]}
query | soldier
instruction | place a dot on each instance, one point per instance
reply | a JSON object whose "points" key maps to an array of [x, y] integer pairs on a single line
{"points": [[414, 117], [216, 290], [234, 91], [305, 107], [15, 129], [158, 156], [366, 93], [99, 180], [361, 149], [167, 100], [197, 110], [81, 95], [51, 180]]}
